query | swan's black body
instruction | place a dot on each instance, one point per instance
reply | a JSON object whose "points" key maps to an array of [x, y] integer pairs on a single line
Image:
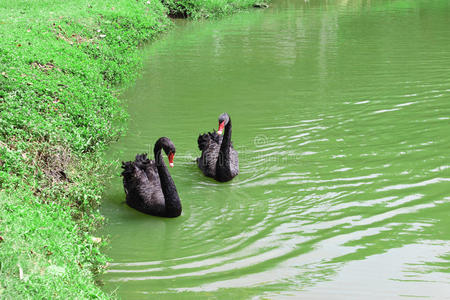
{"points": [[219, 160], [148, 185]]}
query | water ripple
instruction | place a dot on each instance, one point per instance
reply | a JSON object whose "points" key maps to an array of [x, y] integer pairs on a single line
{"points": [[342, 131]]}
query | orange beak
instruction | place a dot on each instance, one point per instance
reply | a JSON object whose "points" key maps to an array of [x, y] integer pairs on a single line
{"points": [[221, 126], [170, 157]]}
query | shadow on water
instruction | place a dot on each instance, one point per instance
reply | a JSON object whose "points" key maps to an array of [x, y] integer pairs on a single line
{"points": [[341, 117]]}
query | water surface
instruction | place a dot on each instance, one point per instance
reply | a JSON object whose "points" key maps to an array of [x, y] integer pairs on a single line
{"points": [[341, 116]]}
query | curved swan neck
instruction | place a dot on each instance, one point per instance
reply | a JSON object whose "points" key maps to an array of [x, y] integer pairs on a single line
{"points": [[226, 141], [223, 168], [172, 200]]}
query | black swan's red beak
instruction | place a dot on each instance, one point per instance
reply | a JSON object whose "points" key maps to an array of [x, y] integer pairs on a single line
{"points": [[170, 157], [221, 126]]}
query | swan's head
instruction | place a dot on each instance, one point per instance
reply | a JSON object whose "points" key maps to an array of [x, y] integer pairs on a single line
{"points": [[223, 121], [169, 149]]}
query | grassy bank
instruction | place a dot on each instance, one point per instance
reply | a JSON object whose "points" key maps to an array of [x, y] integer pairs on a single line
{"points": [[61, 66], [60, 63]]}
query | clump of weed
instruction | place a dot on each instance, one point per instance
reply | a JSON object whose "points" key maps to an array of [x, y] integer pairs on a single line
{"points": [[200, 9]]}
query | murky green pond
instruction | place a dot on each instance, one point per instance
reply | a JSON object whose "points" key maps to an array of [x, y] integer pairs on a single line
{"points": [[341, 116]]}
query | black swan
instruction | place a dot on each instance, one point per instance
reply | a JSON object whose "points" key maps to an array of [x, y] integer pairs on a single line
{"points": [[149, 188], [219, 160]]}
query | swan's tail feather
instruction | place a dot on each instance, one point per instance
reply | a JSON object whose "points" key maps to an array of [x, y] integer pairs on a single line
{"points": [[134, 176], [214, 136], [203, 139], [129, 167], [142, 161]]}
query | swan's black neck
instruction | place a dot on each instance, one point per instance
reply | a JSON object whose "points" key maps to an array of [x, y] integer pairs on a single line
{"points": [[223, 167], [172, 200]]}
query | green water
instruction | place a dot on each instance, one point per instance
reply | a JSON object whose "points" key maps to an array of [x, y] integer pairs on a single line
{"points": [[341, 117]]}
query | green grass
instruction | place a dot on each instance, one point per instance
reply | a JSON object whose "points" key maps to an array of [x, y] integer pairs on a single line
{"points": [[43, 254], [62, 65]]}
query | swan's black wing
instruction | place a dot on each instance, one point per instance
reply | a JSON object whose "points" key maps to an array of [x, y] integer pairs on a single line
{"points": [[149, 167], [142, 185], [205, 139], [209, 144], [234, 162]]}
